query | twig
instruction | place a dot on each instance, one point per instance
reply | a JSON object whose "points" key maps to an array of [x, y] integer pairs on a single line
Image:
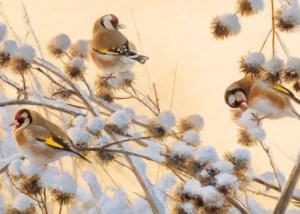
{"points": [[273, 28], [275, 170], [68, 110], [287, 192], [49, 77], [87, 86], [173, 87], [282, 45], [24, 86], [60, 206], [130, 154], [265, 41], [10, 82], [238, 205], [156, 97]]}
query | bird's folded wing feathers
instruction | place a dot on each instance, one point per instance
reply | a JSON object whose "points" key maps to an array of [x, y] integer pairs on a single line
{"points": [[280, 88]]}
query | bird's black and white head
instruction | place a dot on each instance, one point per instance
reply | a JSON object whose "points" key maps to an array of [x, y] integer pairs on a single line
{"points": [[23, 119], [110, 21], [235, 97]]}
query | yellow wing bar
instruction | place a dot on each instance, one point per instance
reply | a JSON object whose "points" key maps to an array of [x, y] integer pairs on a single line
{"points": [[281, 89]]}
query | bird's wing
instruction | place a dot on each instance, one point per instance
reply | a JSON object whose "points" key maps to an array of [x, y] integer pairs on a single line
{"points": [[122, 50], [43, 134], [283, 90]]}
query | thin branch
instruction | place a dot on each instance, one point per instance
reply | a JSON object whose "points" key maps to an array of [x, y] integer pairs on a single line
{"points": [[238, 205], [68, 110], [282, 45], [87, 86], [288, 190], [24, 86], [273, 28], [10, 82], [173, 87], [275, 170], [265, 41], [156, 97]]}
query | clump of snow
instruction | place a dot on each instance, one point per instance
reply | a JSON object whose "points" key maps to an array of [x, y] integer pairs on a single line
{"points": [[78, 63], [166, 119], [188, 208], [192, 187], [230, 22], [181, 149], [8, 47], [191, 137], [25, 52], [30, 169], [205, 154], [227, 180], [91, 180], [290, 15], [61, 42], [95, 124], [166, 182], [14, 167], [3, 31], [103, 139], [120, 118], [193, 121], [212, 197], [293, 65], [78, 135], [48, 177], [222, 166], [66, 184], [22, 203], [79, 121], [274, 66], [255, 60], [80, 48], [242, 155], [257, 132], [85, 198]]}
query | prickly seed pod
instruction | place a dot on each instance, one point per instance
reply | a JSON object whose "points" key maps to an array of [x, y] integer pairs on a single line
{"points": [[246, 139], [79, 49], [292, 70], [75, 68], [249, 7], [225, 25], [59, 45], [288, 18], [21, 59], [253, 64]]}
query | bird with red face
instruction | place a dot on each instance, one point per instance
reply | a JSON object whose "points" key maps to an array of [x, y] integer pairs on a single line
{"points": [[40, 140], [110, 50]]}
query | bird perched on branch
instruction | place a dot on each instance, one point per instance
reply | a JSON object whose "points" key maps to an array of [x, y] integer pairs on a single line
{"points": [[39, 140], [272, 100], [110, 49]]}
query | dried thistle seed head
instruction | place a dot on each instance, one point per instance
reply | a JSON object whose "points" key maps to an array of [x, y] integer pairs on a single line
{"points": [[62, 197], [288, 18], [274, 68], [225, 25], [21, 205], [185, 208], [79, 49], [105, 157], [7, 49], [249, 7], [31, 185], [252, 64], [191, 122], [179, 154], [75, 68], [155, 129], [113, 129], [227, 183], [212, 198], [125, 79], [245, 139], [191, 190], [21, 59], [240, 158], [292, 70], [59, 45]]}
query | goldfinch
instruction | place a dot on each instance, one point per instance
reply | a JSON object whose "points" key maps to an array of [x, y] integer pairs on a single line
{"points": [[39, 140], [269, 99], [109, 47]]}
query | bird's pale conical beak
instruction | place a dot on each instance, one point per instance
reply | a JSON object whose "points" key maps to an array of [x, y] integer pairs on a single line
{"points": [[121, 26]]}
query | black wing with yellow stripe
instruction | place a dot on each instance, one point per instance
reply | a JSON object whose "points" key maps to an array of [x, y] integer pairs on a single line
{"points": [[283, 90]]}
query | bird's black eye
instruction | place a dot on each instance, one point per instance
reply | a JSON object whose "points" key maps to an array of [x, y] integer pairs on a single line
{"points": [[21, 120]]}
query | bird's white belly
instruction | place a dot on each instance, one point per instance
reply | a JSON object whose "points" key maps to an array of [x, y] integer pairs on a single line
{"points": [[265, 107]]}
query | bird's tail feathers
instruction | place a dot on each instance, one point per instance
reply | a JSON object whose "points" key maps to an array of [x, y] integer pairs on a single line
{"points": [[140, 58]]}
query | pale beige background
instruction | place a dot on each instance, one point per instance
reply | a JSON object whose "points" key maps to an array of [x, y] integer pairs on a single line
{"points": [[178, 32]]}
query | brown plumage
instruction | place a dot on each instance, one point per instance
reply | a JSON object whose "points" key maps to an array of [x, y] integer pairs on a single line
{"points": [[39, 140], [271, 100]]}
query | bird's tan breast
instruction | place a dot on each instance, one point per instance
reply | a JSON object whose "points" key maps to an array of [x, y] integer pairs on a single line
{"points": [[21, 138]]}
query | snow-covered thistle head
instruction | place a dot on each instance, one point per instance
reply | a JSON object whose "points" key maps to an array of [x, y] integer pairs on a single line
{"points": [[225, 25], [3, 31], [159, 126], [125, 78], [227, 183], [191, 122], [249, 7], [185, 208], [22, 205], [252, 63], [240, 158], [75, 68], [21, 59], [7, 48], [103, 88], [288, 18], [245, 138], [292, 70], [79, 49], [179, 154], [274, 67], [59, 45]]}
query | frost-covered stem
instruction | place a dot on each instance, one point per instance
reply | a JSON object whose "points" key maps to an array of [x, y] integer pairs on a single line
{"points": [[272, 163], [40, 103], [116, 142], [49, 77], [60, 206], [265, 41], [44, 200], [238, 206], [130, 154], [87, 86], [24, 86], [271, 186], [273, 28], [10, 82], [288, 190], [282, 45], [56, 71]]}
